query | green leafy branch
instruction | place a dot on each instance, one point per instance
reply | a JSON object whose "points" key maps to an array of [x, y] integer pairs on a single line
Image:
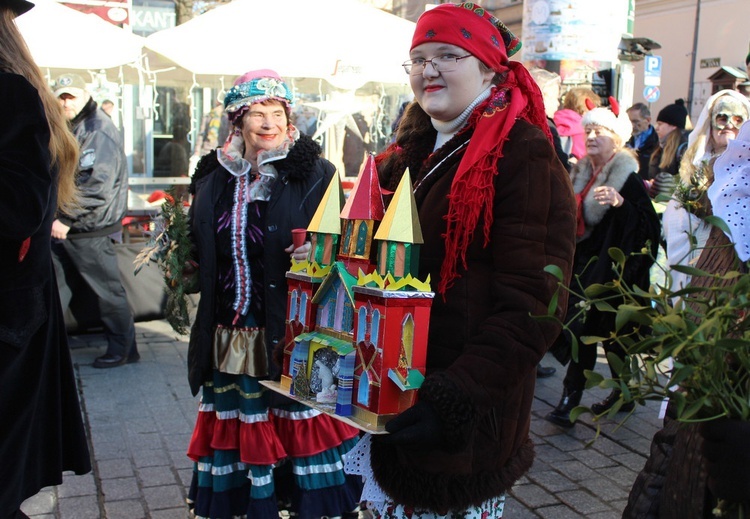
{"points": [[706, 335], [170, 247]]}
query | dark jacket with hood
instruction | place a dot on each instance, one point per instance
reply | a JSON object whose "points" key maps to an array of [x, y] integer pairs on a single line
{"points": [[102, 176], [484, 343], [303, 178]]}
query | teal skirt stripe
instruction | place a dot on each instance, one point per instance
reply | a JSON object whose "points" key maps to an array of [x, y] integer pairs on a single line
{"points": [[322, 470], [262, 481], [222, 471]]}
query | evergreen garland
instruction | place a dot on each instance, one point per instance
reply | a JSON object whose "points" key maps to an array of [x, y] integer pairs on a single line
{"points": [[170, 247]]}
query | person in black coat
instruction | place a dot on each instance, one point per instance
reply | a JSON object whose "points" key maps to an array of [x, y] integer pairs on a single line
{"points": [[614, 211], [266, 180], [41, 431]]}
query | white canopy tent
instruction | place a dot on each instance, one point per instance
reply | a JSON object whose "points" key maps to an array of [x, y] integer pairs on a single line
{"points": [[344, 42], [62, 38]]}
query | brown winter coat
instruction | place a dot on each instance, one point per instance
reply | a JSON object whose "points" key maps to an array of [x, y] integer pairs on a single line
{"points": [[484, 342]]}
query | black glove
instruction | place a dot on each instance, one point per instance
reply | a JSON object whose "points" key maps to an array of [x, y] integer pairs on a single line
{"points": [[726, 447], [419, 425]]}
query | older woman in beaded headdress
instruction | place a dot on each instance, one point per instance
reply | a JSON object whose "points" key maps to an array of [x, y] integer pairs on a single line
{"points": [[496, 207], [265, 181]]}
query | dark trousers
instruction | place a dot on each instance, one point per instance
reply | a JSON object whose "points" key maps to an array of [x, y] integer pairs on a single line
{"points": [[597, 324], [91, 262]]}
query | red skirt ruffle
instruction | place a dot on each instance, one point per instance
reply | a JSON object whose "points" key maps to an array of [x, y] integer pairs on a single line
{"points": [[310, 435], [257, 442]]}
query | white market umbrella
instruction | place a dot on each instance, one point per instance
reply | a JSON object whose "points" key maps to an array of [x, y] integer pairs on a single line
{"points": [[62, 38], [344, 42]]}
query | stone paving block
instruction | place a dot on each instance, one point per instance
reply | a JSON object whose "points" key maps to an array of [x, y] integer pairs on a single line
{"points": [[115, 468], [620, 504], [150, 458], [602, 486], [641, 445], [576, 470], [549, 453], [515, 510], [533, 496], [609, 447], [630, 459], [157, 476], [582, 502], [160, 498], [146, 441], [186, 477], [125, 509], [84, 485], [172, 513], [612, 514], [180, 459], [592, 458], [119, 489], [105, 450], [552, 481], [141, 426], [566, 443], [622, 476], [85, 507], [558, 512]]}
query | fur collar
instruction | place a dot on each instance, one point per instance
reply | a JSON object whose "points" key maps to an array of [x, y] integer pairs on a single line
{"points": [[614, 174], [300, 160]]}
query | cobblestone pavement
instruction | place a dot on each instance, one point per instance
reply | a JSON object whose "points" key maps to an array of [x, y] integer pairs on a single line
{"points": [[140, 417]]}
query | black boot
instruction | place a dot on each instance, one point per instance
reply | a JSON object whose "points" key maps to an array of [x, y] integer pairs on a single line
{"points": [[561, 414], [606, 404]]}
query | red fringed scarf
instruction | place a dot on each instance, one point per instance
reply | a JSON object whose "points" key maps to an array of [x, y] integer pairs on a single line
{"points": [[473, 189]]}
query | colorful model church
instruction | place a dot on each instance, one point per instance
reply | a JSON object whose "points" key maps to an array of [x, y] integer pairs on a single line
{"points": [[356, 337]]}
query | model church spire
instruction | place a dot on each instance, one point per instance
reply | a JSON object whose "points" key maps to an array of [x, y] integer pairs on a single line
{"points": [[400, 234], [361, 214]]}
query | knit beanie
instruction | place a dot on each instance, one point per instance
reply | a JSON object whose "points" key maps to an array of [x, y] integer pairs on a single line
{"points": [[674, 114]]}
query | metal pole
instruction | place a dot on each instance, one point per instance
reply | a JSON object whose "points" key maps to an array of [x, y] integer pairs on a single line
{"points": [[694, 55]]}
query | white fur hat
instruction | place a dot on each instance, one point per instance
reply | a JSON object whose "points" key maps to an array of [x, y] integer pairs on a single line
{"points": [[619, 125]]}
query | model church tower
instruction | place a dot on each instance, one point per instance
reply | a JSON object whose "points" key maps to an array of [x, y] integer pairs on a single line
{"points": [[357, 330]]}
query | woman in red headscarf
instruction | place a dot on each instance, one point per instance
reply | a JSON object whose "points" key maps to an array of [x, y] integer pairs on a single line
{"points": [[496, 207]]}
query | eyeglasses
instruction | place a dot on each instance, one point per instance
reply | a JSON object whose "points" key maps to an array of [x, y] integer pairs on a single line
{"points": [[444, 63]]}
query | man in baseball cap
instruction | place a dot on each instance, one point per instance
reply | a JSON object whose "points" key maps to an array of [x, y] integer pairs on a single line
{"points": [[70, 90], [82, 247]]}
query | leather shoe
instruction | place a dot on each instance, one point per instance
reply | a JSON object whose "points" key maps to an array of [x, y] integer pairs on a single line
{"points": [[609, 402], [112, 361], [560, 415], [544, 371]]}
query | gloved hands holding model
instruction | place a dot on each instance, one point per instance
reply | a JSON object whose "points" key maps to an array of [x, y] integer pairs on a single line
{"points": [[419, 425]]}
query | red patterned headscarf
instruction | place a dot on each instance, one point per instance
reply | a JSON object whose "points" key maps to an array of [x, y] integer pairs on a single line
{"points": [[472, 28]]}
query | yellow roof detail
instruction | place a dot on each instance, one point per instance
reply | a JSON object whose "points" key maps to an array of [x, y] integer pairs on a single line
{"points": [[401, 220], [327, 216]]}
